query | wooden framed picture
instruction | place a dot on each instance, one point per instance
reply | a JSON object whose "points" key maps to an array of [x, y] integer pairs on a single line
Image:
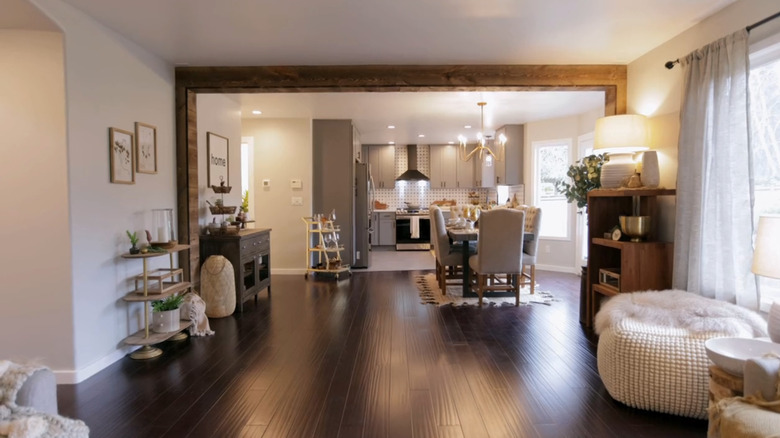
{"points": [[217, 152], [121, 156], [145, 148]]}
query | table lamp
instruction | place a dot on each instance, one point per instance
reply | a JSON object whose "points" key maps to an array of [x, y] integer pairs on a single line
{"points": [[766, 262], [620, 137]]}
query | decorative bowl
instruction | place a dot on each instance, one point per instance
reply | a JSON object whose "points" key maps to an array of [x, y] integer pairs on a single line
{"points": [[635, 227], [730, 354]]}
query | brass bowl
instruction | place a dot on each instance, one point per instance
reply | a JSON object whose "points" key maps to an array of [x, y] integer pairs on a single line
{"points": [[635, 227]]}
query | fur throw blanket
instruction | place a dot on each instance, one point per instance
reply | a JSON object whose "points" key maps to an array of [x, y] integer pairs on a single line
{"points": [[193, 308], [680, 309], [25, 422]]}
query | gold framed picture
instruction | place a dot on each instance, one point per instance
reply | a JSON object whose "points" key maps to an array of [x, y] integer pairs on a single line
{"points": [[145, 148], [121, 156]]}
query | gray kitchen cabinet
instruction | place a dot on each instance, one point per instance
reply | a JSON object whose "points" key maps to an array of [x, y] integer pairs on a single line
{"points": [[510, 170], [373, 235], [382, 161], [443, 159], [386, 231], [465, 172]]}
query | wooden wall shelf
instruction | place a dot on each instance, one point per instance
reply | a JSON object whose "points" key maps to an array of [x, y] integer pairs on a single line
{"points": [[643, 265]]}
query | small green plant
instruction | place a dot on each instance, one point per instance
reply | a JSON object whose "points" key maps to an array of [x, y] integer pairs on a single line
{"points": [[133, 237], [170, 303], [245, 202], [585, 175]]}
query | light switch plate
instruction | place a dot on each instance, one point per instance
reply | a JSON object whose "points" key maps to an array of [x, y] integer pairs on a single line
{"points": [[297, 201], [266, 183], [296, 184]]}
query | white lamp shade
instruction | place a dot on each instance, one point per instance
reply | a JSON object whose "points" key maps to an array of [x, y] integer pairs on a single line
{"points": [[624, 133], [766, 257]]}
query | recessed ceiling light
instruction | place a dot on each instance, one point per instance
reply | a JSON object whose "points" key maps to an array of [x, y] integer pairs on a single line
{"points": [[390, 126], [450, 142], [467, 126], [420, 135], [257, 112], [390, 142]]}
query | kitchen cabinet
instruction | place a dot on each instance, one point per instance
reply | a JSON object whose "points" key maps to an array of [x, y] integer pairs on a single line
{"points": [[382, 161], [510, 170], [618, 266], [443, 160], [385, 231], [465, 171]]}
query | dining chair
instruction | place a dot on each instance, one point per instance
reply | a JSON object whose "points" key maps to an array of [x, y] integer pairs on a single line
{"points": [[499, 252], [533, 222], [449, 257]]}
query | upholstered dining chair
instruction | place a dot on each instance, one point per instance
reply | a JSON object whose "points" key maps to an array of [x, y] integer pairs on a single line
{"points": [[448, 256], [499, 252], [533, 222]]}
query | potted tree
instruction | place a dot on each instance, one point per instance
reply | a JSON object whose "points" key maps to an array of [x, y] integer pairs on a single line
{"points": [[165, 314]]}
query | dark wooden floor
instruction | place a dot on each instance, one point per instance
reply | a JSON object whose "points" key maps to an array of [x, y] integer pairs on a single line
{"points": [[363, 358]]}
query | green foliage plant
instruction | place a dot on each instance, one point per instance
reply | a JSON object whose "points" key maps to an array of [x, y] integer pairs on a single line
{"points": [[245, 202], [584, 176], [170, 303], [133, 237]]}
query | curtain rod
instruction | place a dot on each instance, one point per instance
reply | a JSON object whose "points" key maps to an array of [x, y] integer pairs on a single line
{"points": [[670, 64]]}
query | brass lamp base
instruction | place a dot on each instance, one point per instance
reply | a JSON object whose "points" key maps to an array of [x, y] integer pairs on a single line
{"points": [[178, 337], [146, 352]]}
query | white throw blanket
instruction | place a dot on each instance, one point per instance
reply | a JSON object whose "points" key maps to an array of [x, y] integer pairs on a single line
{"points": [[25, 422], [193, 309], [677, 308]]}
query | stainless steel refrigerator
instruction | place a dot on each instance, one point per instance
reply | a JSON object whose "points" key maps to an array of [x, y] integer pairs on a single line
{"points": [[364, 209]]}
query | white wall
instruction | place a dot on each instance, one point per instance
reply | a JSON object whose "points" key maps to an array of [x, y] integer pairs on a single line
{"points": [[36, 301], [657, 92], [110, 82], [283, 151], [220, 114]]}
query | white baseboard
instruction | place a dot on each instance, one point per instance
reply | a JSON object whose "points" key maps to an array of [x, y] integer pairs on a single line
{"points": [[287, 271], [554, 268], [70, 377]]}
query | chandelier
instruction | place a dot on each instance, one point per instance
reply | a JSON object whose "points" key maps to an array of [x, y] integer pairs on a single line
{"points": [[486, 146]]}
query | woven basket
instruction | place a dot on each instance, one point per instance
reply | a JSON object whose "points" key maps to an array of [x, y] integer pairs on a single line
{"points": [[215, 209], [218, 287], [221, 189]]}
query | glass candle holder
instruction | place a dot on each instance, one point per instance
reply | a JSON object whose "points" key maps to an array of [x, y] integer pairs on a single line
{"points": [[163, 224]]}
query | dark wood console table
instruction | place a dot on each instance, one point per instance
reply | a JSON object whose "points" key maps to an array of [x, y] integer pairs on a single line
{"points": [[249, 252]]}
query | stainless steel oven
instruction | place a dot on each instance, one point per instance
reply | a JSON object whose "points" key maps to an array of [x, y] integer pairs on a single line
{"points": [[404, 240]]}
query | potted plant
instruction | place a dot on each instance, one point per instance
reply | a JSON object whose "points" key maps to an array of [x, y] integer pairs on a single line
{"points": [[165, 314], [245, 204], [584, 176], [133, 241]]}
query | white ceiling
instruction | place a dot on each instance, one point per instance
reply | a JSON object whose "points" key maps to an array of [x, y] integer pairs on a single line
{"points": [[420, 32], [396, 32], [440, 116]]}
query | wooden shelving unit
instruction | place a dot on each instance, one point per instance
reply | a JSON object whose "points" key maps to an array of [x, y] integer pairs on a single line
{"points": [[146, 294], [643, 265], [323, 232]]}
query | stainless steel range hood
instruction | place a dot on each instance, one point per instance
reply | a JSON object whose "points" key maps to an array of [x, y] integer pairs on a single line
{"points": [[412, 174]]}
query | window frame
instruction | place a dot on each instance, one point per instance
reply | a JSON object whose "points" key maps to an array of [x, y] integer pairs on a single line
{"points": [[536, 146]]}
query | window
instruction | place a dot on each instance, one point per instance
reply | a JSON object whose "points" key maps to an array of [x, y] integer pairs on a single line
{"points": [[551, 161], [765, 142]]}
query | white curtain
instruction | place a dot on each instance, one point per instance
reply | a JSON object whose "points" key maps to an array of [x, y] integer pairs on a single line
{"points": [[713, 235]]}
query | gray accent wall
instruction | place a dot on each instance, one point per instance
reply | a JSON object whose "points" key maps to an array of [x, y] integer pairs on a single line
{"points": [[333, 177]]}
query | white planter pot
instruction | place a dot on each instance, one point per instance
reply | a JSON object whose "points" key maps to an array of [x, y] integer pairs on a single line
{"points": [[165, 322]]}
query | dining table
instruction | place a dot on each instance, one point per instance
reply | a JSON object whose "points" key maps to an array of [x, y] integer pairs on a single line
{"points": [[465, 235]]}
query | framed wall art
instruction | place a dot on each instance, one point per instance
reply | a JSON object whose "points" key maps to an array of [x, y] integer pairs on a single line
{"points": [[145, 148], [217, 152], [121, 156]]}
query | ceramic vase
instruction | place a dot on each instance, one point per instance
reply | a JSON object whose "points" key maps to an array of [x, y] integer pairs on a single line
{"points": [[651, 175], [773, 325]]}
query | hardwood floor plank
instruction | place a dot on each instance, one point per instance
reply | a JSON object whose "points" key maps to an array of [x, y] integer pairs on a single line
{"points": [[362, 357]]}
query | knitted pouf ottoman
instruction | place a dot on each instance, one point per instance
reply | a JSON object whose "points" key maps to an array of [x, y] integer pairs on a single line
{"points": [[651, 351], [218, 287]]}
